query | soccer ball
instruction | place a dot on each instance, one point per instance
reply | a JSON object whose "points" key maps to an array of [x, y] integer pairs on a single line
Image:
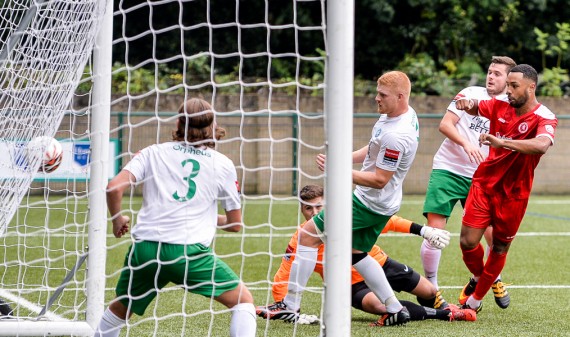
{"points": [[50, 151]]}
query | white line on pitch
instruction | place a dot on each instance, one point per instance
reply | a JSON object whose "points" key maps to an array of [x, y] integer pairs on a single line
{"points": [[29, 305], [267, 235], [404, 202], [264, 235], [530, 286]]}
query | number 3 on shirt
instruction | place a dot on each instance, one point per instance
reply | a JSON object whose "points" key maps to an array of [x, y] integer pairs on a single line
{"points": [[191, 184]]}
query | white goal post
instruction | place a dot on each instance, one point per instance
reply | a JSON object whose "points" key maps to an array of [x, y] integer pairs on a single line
{"points": [[45, 47], [338, 181], [59, 262]]}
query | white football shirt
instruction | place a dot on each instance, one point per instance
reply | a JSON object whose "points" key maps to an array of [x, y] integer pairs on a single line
{"points": [[451, 156], [392, 147], [181, 188]]}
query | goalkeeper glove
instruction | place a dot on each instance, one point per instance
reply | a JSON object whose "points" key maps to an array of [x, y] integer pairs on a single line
{"points": [[438, 238]]}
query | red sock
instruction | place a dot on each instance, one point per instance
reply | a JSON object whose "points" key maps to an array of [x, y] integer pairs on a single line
{"points": [[493, 267], [474, 259]]}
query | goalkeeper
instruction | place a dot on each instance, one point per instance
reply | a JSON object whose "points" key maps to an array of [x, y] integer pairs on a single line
{"points": [[400, 277]]}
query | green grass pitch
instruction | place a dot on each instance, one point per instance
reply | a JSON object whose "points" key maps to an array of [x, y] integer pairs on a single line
{"points": [[537, 269]]}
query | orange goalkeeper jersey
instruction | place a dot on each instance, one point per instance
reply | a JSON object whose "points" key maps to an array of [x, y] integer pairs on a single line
{"points": [[281, 278]]}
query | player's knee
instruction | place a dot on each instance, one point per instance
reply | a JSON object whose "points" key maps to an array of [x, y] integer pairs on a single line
{"points": [[119, 309], [238, 295], [425, 289], [467, 242], [371, 304], [500, 246], [436, 220], [245, 295]]}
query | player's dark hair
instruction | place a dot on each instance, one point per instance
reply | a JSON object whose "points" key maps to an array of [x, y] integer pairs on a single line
{"points": [[309, 192], [527, 70], [509, 62], [196, 124]]}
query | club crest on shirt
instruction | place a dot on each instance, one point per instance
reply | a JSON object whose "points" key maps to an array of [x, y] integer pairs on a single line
{"points": [[523, 127], [391, 157]]}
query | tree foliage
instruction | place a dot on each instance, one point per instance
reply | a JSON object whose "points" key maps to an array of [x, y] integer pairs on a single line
{"points": [[262, 38]]}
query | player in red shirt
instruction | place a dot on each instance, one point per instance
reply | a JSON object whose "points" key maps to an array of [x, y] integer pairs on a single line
{"points": [[521, 131]]}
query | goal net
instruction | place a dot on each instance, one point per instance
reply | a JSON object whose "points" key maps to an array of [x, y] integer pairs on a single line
{"points": [[261, 65], [45, 46]]}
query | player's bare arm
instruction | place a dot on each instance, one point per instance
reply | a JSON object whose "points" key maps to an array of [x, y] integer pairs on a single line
{"points": [[359, 155], [115, 190], [231, 222], [448, 128], [538, 145], [377, 179], [469, 105]]}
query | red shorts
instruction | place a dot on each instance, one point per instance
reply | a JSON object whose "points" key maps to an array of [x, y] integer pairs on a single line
{"points": [[504, 214]]}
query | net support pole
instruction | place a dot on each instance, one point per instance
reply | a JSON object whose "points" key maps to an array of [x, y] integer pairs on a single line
{"points": [[338, 179], [99, 168], [18, 32]]}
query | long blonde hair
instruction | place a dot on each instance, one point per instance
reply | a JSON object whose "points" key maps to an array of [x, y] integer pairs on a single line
{"points": [[196, 124]]}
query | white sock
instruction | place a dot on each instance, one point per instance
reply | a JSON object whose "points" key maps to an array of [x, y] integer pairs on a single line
{"points": [[376, 280], [430, 260], [301, 269], [110, 325], [243, 322], [473, 303]]}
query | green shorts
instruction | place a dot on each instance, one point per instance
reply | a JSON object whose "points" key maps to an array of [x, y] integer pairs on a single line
{"points": [[194, 267], [366, 225], [444, 190]]}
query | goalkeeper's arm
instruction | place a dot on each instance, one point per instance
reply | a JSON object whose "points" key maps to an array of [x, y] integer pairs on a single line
{"points": [[438, 238]]}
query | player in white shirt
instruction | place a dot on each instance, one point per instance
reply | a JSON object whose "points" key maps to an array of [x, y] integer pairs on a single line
{"points": [[385, 162], [454, 164], [183, 180]]}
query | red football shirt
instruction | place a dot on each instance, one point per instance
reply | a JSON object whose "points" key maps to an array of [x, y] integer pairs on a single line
{"points": [[509, 172]]}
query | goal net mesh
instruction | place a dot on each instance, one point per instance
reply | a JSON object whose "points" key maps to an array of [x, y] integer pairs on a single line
{"points": [[45, 46], [260, 64]]}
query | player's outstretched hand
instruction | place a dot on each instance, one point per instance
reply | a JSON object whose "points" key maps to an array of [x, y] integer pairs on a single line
{"points": [[464, 103], [474, 153], [438, 238]]}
